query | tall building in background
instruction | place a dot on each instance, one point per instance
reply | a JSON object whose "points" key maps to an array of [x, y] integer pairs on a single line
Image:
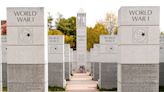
{"points": [[81, 39]]}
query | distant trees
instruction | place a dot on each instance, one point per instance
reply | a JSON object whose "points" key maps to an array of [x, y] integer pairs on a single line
{"points": [[93, 34], [110, 22], [67, 27]]}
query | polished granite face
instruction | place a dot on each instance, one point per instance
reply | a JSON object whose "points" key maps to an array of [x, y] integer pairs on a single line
{"points": [[56, 75], [139, 77], [26, 78], [108, 75]]}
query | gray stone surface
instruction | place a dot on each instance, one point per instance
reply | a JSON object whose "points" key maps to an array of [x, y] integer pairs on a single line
{"points": [[92, 67], [139, 78], [27, 70], [56, 68], [81, 38], [26, 78], [138, 68], [74, 63], [67, 70], [67, 61], [4, 74], [108, 75], [55, 74], [96, 71], [161, 77], [4, 60]]}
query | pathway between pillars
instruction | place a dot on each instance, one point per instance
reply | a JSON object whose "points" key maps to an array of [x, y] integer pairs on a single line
{"points": [[81, 82]]}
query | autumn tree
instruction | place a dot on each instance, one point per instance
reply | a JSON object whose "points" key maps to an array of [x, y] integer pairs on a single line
{"points": [[110, 22]]}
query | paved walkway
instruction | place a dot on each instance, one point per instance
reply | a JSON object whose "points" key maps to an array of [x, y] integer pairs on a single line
{"points": [[81, 82]]}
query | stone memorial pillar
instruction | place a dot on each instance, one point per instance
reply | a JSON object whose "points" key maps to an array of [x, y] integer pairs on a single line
{"points": [[138, 68], [161, 77], [4, 60], [108, 62], [26, 65], [96, 62], [67, 61], [81, 40], [56, 69]]}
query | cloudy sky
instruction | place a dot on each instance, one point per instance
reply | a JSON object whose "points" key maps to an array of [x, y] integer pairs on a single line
{"points": [[95, 9]]}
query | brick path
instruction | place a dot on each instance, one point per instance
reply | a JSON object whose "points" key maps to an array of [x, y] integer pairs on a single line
{"points": [[81, 82]]}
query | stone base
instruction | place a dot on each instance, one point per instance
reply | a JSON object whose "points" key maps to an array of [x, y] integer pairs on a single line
{"points": [[71, 68], [4, 74], [67, 70], [88, 67], [108, 75], [96, 71], [92, 65], [56, 74], [26, 78], [161, 78], [74, 66], [138, 78]]}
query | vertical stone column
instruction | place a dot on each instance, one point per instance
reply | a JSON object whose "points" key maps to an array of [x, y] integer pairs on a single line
{"points": [[96, 61], [92, 61], [161, 77], [4, 60], [67, 61], [71, 61], [56, 68], [138, 68], [88, 66], [26, 65], [74, 63], [1, 62], [81, 40], [108, 62]]}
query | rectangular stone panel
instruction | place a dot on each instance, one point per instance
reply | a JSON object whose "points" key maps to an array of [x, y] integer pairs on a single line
{"points": [[108, 39], [142, 15], [56, 39], [139, 35], [56, 49], [161, 73], [30, 16], [26, 78], [56, 58], [108, 49], [96, 71], [25, 36], [25, 55], [4, 74], [56, 74], [139, 54], [67, 70], [139, 78], [108, 75]]}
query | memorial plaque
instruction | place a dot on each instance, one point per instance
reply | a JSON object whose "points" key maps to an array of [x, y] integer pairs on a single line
{"points": [[143, 15]]}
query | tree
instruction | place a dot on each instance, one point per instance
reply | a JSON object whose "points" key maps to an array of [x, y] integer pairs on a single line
{"points": [[50, 19], [93, 34], [110, 23]]}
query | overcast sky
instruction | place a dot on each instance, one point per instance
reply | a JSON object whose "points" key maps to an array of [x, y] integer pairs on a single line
{"points": [[95, 9]]}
